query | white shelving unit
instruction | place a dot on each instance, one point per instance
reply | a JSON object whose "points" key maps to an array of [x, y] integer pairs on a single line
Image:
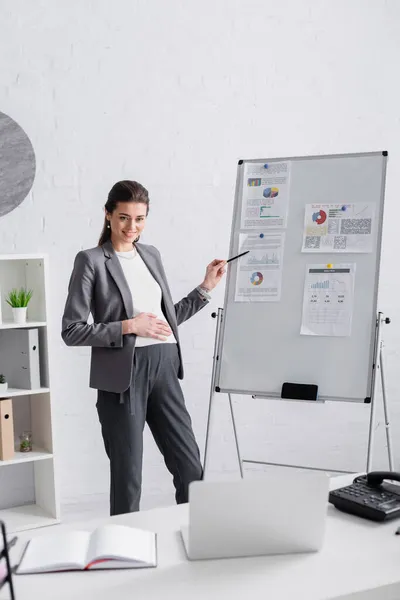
{"points": [[12, 392], [28, 494]]}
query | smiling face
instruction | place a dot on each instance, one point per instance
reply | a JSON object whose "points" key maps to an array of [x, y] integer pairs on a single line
{"points": [[127, 222]]}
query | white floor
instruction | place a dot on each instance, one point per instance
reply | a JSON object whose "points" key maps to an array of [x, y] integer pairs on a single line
{"points": [[97, 506]]}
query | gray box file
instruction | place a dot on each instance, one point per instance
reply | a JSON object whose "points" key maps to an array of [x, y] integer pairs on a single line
{"points": [[19, 358]]}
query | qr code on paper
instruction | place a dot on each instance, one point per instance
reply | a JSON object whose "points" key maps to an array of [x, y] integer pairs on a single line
{"points": [[312, 241], [356, 226], [339, 242]]}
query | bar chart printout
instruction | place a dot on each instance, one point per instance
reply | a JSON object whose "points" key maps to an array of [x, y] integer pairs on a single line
{"points": [[328, 300]]}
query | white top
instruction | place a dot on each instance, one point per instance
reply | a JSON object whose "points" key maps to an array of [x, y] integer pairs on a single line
{"points": [[146, 293], [358, 557]]}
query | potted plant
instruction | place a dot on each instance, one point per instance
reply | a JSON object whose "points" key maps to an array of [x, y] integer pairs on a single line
{"points": [[3, 383], [25, 444], [19, 300]]}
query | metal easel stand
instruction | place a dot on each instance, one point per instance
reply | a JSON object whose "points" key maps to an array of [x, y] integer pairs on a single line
{"points": [[378, 364], [219, 317]]}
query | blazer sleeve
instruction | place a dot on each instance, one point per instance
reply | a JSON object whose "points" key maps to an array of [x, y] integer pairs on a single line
{"points": [[75, 329], [189, 306]]}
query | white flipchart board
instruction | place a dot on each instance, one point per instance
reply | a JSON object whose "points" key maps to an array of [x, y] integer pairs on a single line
{"points": [[260, 345]]}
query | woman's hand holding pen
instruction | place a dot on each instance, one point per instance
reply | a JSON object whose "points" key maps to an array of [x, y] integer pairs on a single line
{"points": [[214, 272], [147, 325]]}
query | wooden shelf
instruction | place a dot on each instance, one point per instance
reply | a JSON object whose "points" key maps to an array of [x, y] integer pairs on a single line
{"points": [[28, 516], [12, 325], [11, 392], [25, 457]]}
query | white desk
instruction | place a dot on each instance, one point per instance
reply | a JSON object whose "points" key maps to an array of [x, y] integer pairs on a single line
{"points": [[359, 559]]}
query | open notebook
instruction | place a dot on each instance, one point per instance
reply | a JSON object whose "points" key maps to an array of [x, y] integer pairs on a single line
{"points": [[108, 547]]}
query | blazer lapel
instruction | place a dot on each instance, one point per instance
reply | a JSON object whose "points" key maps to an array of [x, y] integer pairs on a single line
{"points": [[116, 272]]}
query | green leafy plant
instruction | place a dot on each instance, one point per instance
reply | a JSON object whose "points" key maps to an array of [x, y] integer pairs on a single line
{"points": [[19, 298], [26, 441], [2, 378]]}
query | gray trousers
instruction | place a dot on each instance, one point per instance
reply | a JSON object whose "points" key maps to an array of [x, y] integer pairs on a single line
{"points": [[157, 399]]}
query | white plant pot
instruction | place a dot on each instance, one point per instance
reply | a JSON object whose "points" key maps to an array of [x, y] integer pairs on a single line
{"points": [[19, 314], [3, 387]]}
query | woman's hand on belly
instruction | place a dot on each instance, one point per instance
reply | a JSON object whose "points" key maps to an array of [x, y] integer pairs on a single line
{"points": [[147, 325]]}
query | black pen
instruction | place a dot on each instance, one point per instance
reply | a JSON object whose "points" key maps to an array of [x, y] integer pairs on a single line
{"points": [[238, 256]]}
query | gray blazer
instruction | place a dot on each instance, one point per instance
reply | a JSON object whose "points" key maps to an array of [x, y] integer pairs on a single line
{"points": [[98, 286]]}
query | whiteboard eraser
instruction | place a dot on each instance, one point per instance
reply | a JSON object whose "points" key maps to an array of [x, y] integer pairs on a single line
{"points": [[299, 391]]}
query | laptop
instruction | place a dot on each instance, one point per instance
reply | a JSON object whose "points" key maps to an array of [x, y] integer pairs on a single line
{"points": [[283, 513]]}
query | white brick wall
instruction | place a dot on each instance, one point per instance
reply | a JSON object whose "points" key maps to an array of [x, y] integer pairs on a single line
{"points": [[172, 94]]}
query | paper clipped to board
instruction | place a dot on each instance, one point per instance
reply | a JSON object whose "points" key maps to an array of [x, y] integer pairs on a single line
{"points": [[259, 273], [265, 195], [338, 228], [328, 300]]}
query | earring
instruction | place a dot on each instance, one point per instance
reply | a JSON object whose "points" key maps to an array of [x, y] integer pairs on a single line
{"points": [[109, 226]]}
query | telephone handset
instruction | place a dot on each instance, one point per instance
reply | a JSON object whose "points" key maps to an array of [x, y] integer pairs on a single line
{"points": [[369, 496]]}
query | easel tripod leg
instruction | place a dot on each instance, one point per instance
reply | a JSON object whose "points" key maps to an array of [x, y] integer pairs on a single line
{"points": [[236, 437], [207, 435], [212, 391], [379, 364], [212, 387], [373, 391], [371, 434], [385, 408]]}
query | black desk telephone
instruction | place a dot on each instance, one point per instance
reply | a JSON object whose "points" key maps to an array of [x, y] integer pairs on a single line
{"points": [[369, 497]]}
